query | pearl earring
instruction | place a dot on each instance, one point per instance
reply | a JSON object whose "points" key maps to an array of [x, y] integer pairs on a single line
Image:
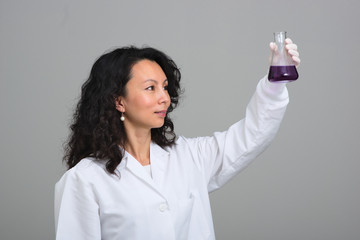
{"points": [[122, 118]]}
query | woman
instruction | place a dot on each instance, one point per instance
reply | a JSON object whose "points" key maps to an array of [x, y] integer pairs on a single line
{"points": [[129, 176]]}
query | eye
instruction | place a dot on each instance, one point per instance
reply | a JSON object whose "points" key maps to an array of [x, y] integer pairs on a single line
{"points": [[150, 88], [166, 87]]}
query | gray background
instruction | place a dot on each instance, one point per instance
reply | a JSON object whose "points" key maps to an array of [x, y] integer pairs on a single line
{"points": [[305, 186]]}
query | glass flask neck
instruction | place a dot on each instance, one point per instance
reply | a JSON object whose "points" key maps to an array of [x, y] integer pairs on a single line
{"points": [[279, 37]]}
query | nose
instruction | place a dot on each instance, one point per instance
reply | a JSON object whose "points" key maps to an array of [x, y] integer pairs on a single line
{"points": [[164, 97]]}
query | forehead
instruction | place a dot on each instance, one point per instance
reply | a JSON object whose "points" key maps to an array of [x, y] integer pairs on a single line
{"points": [[147, 70]]}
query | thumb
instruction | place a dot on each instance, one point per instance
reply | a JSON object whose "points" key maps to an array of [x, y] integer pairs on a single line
{"points": [[272, 46]]}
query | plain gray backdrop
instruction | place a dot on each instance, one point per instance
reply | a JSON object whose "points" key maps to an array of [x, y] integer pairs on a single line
{"points": [[305, 186]]}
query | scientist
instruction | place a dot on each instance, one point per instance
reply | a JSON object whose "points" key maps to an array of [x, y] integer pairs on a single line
{"points": [[129, 176]]}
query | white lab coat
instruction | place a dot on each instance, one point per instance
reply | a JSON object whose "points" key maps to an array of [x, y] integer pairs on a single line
{"points": [[174, 203]]}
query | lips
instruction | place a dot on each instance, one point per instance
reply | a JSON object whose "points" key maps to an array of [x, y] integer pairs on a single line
{"points": [[161, 113]]}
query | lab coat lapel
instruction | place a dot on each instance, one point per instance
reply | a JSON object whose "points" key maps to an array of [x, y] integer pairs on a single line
{"points": [[159, 159], [138, 170]]}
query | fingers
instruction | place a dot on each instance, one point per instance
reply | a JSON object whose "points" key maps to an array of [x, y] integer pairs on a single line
{"points": [[289, 45], [294, 56], [272, 46], [296, 60], [288, 41], [293, 53], [291, 48]]}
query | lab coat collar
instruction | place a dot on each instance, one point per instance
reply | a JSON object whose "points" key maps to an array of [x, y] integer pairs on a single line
{"points": [[157, 156], [158, 159], [156, 153]]}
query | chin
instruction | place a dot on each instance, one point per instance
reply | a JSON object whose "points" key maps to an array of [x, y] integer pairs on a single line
{"points": [[159, 125]]}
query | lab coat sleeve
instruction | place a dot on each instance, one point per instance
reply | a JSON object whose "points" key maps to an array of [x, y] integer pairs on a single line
{"points": [[225, 154], [76, 208]]}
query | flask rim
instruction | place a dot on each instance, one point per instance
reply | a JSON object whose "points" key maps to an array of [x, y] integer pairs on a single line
{"points": [[280, 33]]}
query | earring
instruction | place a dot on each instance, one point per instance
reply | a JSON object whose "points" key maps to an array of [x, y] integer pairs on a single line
{"points": [[122, 118]]}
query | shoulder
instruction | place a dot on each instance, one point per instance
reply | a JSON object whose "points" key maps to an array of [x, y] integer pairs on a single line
{"points": [[86, 170], [89, 166], [184, 144], [180, 143]]}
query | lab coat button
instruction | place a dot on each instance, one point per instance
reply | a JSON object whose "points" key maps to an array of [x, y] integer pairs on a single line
{"points": [[162, 207]]}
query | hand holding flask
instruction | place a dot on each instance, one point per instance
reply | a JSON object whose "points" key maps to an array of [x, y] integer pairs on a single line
{"points": [[282, 66]]}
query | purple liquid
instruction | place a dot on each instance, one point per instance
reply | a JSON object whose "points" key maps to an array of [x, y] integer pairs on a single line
{"points": [[283, 74]]}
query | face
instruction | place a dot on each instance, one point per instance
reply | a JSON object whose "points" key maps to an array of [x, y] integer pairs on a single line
{"points": [[147, 100]]}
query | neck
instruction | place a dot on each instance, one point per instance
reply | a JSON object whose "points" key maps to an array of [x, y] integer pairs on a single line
{"points": [[138, 145]]}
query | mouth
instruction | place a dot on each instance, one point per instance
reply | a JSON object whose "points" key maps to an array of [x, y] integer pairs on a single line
{"points": [[161, 113]]}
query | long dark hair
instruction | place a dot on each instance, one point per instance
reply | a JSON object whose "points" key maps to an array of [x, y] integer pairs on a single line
{"points": [[96, 129]]}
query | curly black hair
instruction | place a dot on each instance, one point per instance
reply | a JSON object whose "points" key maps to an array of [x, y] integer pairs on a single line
{"points": [[96, 128]]}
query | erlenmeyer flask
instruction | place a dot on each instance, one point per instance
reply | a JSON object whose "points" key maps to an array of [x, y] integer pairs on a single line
{"points": [[282, 68]]}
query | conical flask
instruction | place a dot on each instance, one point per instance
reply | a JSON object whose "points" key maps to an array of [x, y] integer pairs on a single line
{"points": [[282, 67]]}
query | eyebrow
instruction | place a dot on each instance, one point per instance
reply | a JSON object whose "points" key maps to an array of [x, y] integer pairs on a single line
{"points": [[154, 81]]}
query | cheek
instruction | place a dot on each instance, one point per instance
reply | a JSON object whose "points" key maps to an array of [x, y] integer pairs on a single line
{"points": [[143, 101], [147, 101]]}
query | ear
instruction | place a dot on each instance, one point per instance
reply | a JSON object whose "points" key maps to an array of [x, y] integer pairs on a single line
{"points": [[119, 104]]}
